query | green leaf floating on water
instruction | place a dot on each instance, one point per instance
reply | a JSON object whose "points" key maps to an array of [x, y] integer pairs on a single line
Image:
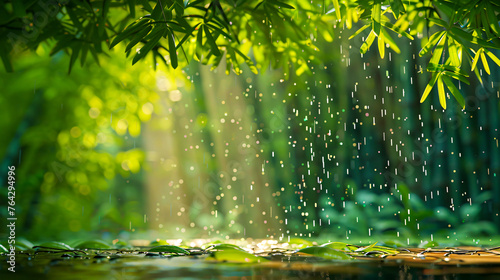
{"points": [[93, 244], [377, 249], [169, 249], [325, 252], [216, 242], [300, 241], [337, 246], [23, 244], [52, 246], [220, 247], [158, 242], [235, 256]]}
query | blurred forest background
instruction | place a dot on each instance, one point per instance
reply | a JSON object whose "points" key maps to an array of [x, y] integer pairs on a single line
{"points": [[346, 150]]}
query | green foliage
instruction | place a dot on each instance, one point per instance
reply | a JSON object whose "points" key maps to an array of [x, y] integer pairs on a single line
{"points": [[235, 256], [169, 249], [271, 32], [325, 252], [92, 244], [52, 246], [219, 247], [78, 155], [415, 217]]}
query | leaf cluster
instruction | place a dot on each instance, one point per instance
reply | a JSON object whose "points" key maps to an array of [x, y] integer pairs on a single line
{"points": [[258, 33]]}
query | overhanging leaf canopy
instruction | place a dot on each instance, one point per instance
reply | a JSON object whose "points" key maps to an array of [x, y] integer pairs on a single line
{"points": [[259, 33]]}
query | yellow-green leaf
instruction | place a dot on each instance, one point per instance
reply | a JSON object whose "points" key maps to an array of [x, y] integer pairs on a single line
{"points": [[359, 31], [93, 244], [431, 43], [337, 246], [300, 241], [442, 93], [219, 247], [169, 249], [476, 58], [366, 248], [388, 39], [453, 51], [376, 12], [485, 63], [438, 51], [492, 56], [429, 86], [336, 5], [52, 246], [236, 256], [368, 42], [381, 45], [325, 252]]}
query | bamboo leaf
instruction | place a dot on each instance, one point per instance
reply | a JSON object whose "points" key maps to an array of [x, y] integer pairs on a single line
{"points": [[469, 37], [94, 55], [388, 39], [438, 51], [431, 43], [476, 58], [199, 43], [492, 56], [282, 5], [442, 93], [429, 86], [397, 7], [4, 55], [325, 252], [359, 31], [211, 41], [138, 37], [439, 22], [149, 45], [376, 11], [485, 63], [172, 49], [336, 6], [189, 33], [400, 30], [131, 8], [456, 77], [493, 21], [453, 52], [76, 46], [368, 42], [456, 93], [381, 45], [133, 27]]}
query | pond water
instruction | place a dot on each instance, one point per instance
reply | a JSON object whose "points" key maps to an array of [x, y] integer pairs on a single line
{"points": [[138, 265]]}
